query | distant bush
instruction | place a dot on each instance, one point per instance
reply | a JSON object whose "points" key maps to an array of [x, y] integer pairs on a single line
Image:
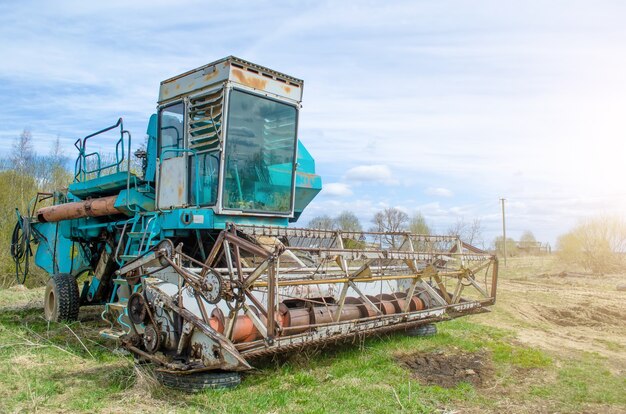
{"points": [[511, 247], [597, 244], [16, 190]]}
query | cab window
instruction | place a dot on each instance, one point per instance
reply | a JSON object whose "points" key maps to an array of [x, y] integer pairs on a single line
{"points": [[171, 130]]}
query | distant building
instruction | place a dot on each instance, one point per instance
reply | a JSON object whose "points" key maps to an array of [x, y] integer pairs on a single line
{"points": [[533, 247]]}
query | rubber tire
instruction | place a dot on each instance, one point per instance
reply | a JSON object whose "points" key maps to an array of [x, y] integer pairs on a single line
{"points": [[61, 299], [423, 330], [210, 380]]}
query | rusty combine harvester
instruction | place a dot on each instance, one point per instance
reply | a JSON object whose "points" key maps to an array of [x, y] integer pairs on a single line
{"points": [[194, 261]]}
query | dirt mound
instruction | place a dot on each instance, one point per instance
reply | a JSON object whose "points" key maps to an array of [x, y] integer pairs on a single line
{"points": [[568, 274], [588, 315], [449, 368]]}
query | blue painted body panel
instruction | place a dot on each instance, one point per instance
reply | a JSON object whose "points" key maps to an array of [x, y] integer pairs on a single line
{"points": [[101, 186], [56, 253], [206, 219], [151, 149], [132, 201]]}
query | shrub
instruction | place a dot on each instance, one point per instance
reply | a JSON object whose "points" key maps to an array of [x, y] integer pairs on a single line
{"points": [[597, 244]]}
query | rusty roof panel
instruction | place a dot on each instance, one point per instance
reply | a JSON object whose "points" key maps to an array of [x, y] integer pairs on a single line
{"points": [[234, 70]]}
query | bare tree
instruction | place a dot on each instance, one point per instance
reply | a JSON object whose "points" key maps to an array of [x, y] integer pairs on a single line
{"points": [[348, 221], [390, 220], [471, 233], [418, 224], [322, 222], [22, 158], [23, 154], [51, 172]]}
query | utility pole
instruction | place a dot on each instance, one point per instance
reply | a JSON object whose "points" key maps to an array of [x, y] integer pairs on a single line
{"points": [[503, 230]]}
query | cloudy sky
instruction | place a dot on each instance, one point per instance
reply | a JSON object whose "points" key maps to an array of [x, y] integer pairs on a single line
{"points": [[441, 107]]}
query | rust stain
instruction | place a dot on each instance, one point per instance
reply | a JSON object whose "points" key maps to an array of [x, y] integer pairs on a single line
{"points": [[249, 80], [177, 86], [306, 174], [210, 75], [196, 350], [287, 89], [166, 91], [180, 192]]}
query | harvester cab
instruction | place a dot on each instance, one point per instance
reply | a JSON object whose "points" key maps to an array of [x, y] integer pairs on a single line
{"points": [[193, 258], [225, 138]]}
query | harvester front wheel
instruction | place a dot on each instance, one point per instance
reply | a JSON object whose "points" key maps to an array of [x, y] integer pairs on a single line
{"points": [[200, 381], [61, 300]]}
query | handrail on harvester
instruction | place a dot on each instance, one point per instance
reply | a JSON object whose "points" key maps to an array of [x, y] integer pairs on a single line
{"points": [[80, 167]]}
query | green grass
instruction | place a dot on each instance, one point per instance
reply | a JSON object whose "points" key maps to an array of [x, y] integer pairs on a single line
{"points": [[45, 367]]}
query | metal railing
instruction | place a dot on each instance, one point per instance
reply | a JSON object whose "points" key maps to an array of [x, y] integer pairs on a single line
{"points": [[82, 168]]}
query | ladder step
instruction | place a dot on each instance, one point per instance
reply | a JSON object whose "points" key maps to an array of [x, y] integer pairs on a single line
{"points": [[136, 234], [111, 333], [120, 281], [118, 306], [127, 257]]}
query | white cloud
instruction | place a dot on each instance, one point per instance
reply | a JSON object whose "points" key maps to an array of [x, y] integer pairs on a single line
{"points": [[337, 189], [439, 192], [371, 174]]}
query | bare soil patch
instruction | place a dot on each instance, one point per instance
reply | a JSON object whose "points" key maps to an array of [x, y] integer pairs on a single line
{"points": [[448, 369], [589, 315], [562, 311]]}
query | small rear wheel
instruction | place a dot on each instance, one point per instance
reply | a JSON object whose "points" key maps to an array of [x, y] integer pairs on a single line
{"points": [[61, 299], [423, 330], [210, 380]]}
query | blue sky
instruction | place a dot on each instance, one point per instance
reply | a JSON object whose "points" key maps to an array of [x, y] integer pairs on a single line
{"points": [[438, 106]]}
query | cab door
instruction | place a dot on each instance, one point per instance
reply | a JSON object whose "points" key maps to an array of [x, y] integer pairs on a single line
{"points": [[172, 180]]}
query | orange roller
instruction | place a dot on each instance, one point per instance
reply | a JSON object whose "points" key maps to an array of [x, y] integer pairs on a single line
{"points": [[327, 314], [365, 309], [244, 330], [415, 305], [398, 304], [217, 320], [295, 318], [387, 307]]}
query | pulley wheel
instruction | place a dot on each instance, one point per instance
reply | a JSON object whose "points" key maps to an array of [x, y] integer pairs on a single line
{"points": [[151, 339], [212, 287], [137, 311]]}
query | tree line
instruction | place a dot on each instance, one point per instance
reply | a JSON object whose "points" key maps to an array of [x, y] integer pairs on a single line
{"points": [[390, 220], [23, 173]]}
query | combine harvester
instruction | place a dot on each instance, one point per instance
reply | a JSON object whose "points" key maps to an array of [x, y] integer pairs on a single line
{"points": [[194, 260]]}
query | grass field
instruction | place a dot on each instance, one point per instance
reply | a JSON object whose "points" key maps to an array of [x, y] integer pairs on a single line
{"points": [[68, 368]]}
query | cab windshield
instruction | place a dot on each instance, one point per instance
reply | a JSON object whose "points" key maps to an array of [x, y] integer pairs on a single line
{"points": [[259, 151]]}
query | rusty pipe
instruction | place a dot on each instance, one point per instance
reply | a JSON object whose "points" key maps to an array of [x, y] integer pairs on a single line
{"points": [[296, 319], [96, 207], [327, 314], [400, 298], [387, 307], [244, 330]]}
